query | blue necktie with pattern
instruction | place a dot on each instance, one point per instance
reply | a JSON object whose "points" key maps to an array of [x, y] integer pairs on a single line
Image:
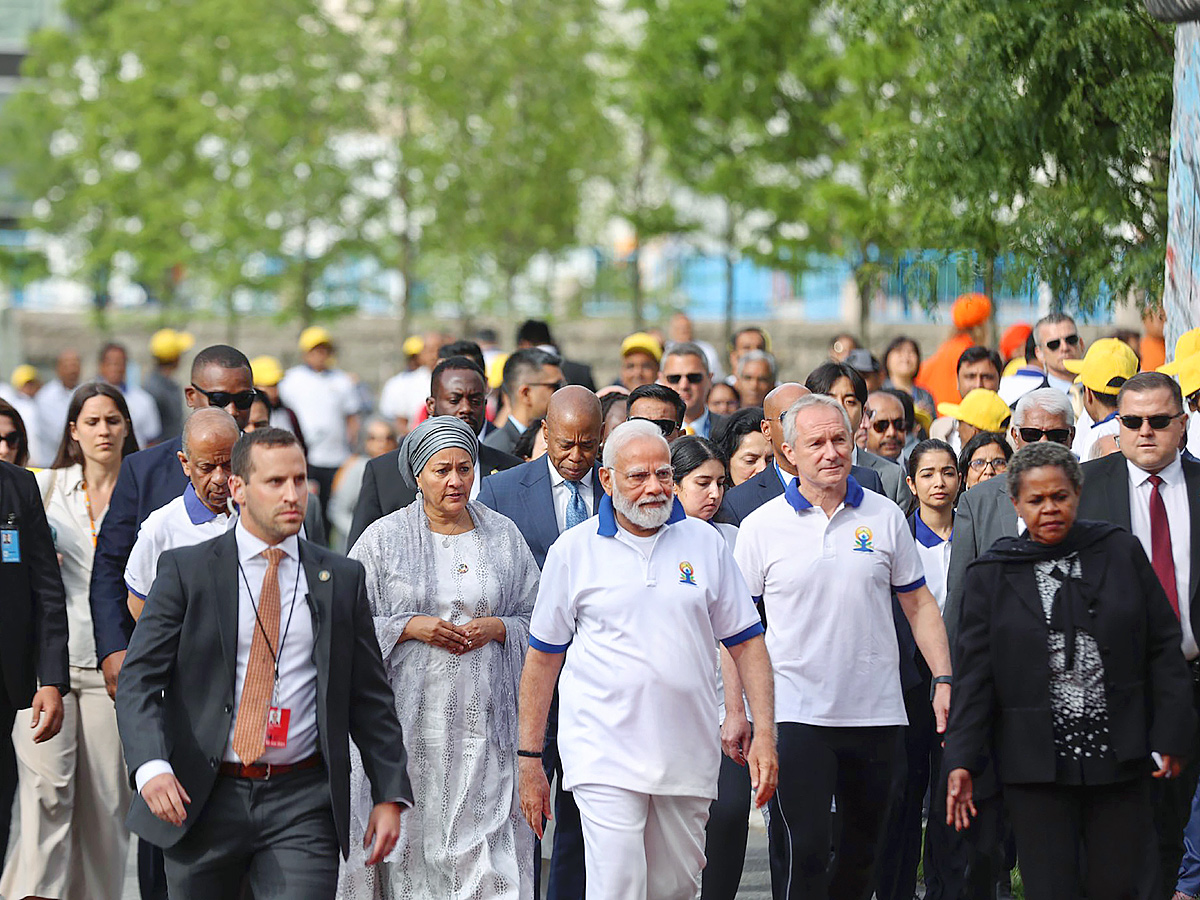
{"points": [[576, 508]]}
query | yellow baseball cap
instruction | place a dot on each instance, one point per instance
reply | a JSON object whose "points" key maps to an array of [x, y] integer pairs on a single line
{"points": [[168, 345], [982, 408], [413, 345], [266, 370], [314, 336], [1188, 373], [22, 375], [646, 343], [1187, 345], [1107, 365]]}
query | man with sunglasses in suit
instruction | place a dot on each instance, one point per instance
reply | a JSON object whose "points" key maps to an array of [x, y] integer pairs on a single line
{"points": [[685, 370], [150, 479], [1057, 340], [659, 404], [1151, 490]]}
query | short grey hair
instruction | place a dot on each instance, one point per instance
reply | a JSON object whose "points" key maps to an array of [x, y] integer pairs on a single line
{"points": [[1039, 455], [1049, 400], [628, 432], [688, 348], [204, 420], [809, 401], [1054, 318], [756, 356]]}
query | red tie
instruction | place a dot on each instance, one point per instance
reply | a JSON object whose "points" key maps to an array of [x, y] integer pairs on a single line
{"points": [[1160, 544]]}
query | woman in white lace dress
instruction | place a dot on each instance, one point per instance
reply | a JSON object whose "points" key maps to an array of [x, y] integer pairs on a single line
{"points": [[451, 585]]}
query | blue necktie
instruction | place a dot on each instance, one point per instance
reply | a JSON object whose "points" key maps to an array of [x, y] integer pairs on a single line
{"points": [[576, 508]]}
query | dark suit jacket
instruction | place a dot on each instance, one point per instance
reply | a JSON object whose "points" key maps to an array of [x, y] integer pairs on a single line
{"points": [[524, 495], [748, 496], [503, 438], [33, 604], [895, 488], [578, 373], [148, 479], [383, 491], [984, 515], [1106, 498], [175, 697], [1002, 692]]}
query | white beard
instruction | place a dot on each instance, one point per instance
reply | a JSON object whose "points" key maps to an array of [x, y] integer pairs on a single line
{"points": [[642, 516]]}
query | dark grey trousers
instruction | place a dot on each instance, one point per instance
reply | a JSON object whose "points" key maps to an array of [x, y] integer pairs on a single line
{"points": [[276, 834]]}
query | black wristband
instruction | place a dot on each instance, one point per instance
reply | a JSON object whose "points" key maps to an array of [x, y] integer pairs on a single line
{"points": [[943, 679], [530, 754]]}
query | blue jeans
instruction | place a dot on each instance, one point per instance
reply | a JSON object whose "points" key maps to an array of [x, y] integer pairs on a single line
{"points": [[1189, 866]]}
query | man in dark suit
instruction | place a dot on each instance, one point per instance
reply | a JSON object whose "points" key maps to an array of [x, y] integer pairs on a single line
{"points": [[967, 864], [150, 479], [536, 333], [457, 387], [530, 377], [33, 626], [768, 484], [1151, 490], [544, 497], [685, 370], [236, 728]]}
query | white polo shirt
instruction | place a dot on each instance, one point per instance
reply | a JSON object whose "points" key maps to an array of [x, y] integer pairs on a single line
{"points": [[181, 523], [638, 693], [935, 560], [827, 583], [321, 402]]}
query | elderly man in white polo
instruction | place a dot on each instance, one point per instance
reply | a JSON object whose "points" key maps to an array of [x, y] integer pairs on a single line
{"points": [[825, 557], [642, 594]]}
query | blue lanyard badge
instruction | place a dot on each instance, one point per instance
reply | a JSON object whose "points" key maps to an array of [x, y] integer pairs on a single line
{"points": [[10, 545]]}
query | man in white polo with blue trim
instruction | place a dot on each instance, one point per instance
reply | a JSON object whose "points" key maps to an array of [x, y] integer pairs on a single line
{"points": [[825, 557], [200, 513], [641, 594]]}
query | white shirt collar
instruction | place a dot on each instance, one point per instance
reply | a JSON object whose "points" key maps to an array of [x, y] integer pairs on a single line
{"points": [[250, 546], [1172, 474]]}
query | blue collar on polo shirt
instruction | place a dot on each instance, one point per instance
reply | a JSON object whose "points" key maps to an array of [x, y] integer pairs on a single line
{"points": [[798, 502], [196, 510], [1112, 415], [925, 535], [608, 516]]}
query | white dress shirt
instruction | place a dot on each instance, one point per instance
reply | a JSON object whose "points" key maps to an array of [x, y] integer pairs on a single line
{"points": [[562, 495], [1173, 491], [297, 688], [702, 426], [322, 401]]}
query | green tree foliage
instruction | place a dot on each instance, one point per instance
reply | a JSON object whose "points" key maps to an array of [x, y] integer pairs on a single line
{"points": [[1040, 130]]}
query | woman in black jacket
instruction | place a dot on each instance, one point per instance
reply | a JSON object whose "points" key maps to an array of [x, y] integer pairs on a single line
{"points": [[1070, 672]]}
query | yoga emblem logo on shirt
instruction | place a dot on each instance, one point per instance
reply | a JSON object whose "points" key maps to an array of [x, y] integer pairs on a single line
{"points": [[686, 573], [862, 540]]}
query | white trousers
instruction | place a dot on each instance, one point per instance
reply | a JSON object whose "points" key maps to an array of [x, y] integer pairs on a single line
{"points": [[641, 846], [72, 797]]}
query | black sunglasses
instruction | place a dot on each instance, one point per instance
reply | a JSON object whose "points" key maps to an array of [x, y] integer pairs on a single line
{"points": [[1071, 339], [241, 400], [13, 439], [1158, 423], [692, 378], [879, 426], [553, 385], [666, 426], [1033, 435]]}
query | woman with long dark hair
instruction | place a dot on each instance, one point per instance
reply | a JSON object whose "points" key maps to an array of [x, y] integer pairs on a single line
{"points": [[73, 793], [14, 438]]}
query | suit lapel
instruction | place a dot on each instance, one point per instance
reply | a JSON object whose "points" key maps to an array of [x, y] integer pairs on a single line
{"points": [[1191, 477], [225, 580], [1116, 484], [540, 502], [320, 604]]}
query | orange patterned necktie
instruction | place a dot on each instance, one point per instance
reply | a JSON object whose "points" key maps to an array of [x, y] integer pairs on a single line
{"points": [[250, 730]]}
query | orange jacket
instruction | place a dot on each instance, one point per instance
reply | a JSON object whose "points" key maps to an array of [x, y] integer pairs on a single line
{"points": [[939, 373]]}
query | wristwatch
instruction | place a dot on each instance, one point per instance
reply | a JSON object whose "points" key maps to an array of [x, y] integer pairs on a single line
{"points": [[943, 679]]}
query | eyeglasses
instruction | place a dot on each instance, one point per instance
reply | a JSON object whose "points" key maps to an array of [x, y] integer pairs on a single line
{"points": [[1033, 435], [553, 385], [666, 426], [1071, 339], [1158, 423], [879, 426], [692, 378], [638, 477], [13, 439], [1000, 464], [241, 400]]}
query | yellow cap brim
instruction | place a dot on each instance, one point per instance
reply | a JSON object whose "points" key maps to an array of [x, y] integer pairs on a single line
{"points": [[950, 410], [1073, 365]]}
